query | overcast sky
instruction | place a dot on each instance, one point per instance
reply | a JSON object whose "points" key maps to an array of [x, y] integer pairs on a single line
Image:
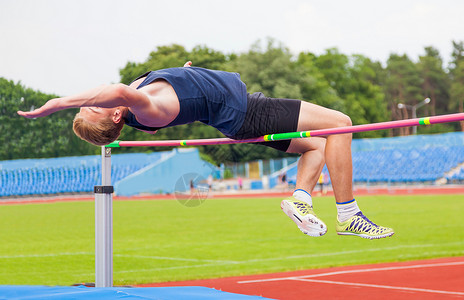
{"points": [[66, 46]]}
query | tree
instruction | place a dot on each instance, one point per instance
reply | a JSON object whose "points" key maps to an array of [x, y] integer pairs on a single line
{"points": [[335, 67], [270, 71], [457, 54], [402, 85], [435, 83], [364, 97], [348, 84], [164, 57], [315, 86], [354, 84], [42, 137], [457, 79], [204, 57]]}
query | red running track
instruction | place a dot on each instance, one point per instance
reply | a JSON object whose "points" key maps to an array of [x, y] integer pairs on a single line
{"points": [[441, 278], [408, 190]]}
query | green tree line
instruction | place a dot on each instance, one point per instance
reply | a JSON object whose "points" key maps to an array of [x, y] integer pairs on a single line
{"points": [[362, 88]]}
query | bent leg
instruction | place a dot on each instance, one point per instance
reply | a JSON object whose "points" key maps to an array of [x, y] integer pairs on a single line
{"points": [[310, 164], [336, 151], [299, 207]]}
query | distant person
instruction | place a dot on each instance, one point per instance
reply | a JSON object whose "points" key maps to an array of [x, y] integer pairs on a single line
{"points": [[284, 178], [192, 187], [209, 181], [240, 182], [325, 184], [320, 182], [175, 96]]}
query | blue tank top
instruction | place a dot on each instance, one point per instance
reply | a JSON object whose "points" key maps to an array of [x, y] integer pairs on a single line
{"points": [[215, 98]]}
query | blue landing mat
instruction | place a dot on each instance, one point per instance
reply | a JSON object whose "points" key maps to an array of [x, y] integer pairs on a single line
{"points": [[17, 292]]}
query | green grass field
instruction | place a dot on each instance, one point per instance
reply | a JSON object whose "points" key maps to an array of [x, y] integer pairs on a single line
{"points": [[53, 243]]}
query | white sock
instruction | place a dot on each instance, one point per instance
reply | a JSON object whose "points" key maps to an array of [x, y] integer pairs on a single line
{"points": [[303, 195], [347, 209]]}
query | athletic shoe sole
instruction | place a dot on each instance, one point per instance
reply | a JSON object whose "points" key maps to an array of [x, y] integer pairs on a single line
{"points": [[365, 236]]}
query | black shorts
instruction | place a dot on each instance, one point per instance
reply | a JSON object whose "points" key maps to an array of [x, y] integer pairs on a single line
{"points": [[269, 115]]}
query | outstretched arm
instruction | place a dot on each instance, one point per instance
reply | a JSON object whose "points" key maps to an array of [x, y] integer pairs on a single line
{"points": [[106, 96]]}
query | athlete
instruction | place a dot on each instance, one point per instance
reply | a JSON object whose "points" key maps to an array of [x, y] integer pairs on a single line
{"points": [[175, 96]]}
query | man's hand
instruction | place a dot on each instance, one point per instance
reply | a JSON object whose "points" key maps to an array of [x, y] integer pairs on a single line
{"points": [[188, 64], [48, 108], [105, 96]]}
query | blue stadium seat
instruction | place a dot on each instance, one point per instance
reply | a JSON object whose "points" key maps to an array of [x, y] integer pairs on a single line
{"points": [[421, 158]]}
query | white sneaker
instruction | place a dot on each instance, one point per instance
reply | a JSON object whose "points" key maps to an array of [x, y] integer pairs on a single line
{"points": [[304, 217]]}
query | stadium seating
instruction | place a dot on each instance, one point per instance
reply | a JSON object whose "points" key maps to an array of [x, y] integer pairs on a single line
{"points": [[66, 174], [411, 159], [457, 176], [421, 158]]}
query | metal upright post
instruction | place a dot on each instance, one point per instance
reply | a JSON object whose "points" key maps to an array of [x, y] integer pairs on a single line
{"points": [[104, 224]]}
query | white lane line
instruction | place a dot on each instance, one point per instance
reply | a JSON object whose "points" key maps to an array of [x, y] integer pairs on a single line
{"points": [[219, 263], [432, 265], [389, 287], [45, 255], [167, 268], [224, 262], [346, 252], [216, 263], [250, 260], [176, 258]]}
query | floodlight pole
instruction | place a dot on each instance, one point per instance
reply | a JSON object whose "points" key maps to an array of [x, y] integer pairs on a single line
{"points": [[104, 224], [413, 110]]}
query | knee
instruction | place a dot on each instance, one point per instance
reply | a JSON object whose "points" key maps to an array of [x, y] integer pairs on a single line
{"points": [[314, 157], [343, 120], [319, 154], [321, 157]]}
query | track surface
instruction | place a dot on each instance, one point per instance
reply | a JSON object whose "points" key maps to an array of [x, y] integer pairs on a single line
{"points": [[427, 279], [441, 278], [408, 190]]}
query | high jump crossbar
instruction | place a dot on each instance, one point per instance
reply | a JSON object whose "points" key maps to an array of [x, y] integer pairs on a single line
{"points": [[295, 135], [104, 193]]}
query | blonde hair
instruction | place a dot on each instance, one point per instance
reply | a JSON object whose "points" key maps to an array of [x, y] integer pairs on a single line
{"points": [[100, 134]]}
